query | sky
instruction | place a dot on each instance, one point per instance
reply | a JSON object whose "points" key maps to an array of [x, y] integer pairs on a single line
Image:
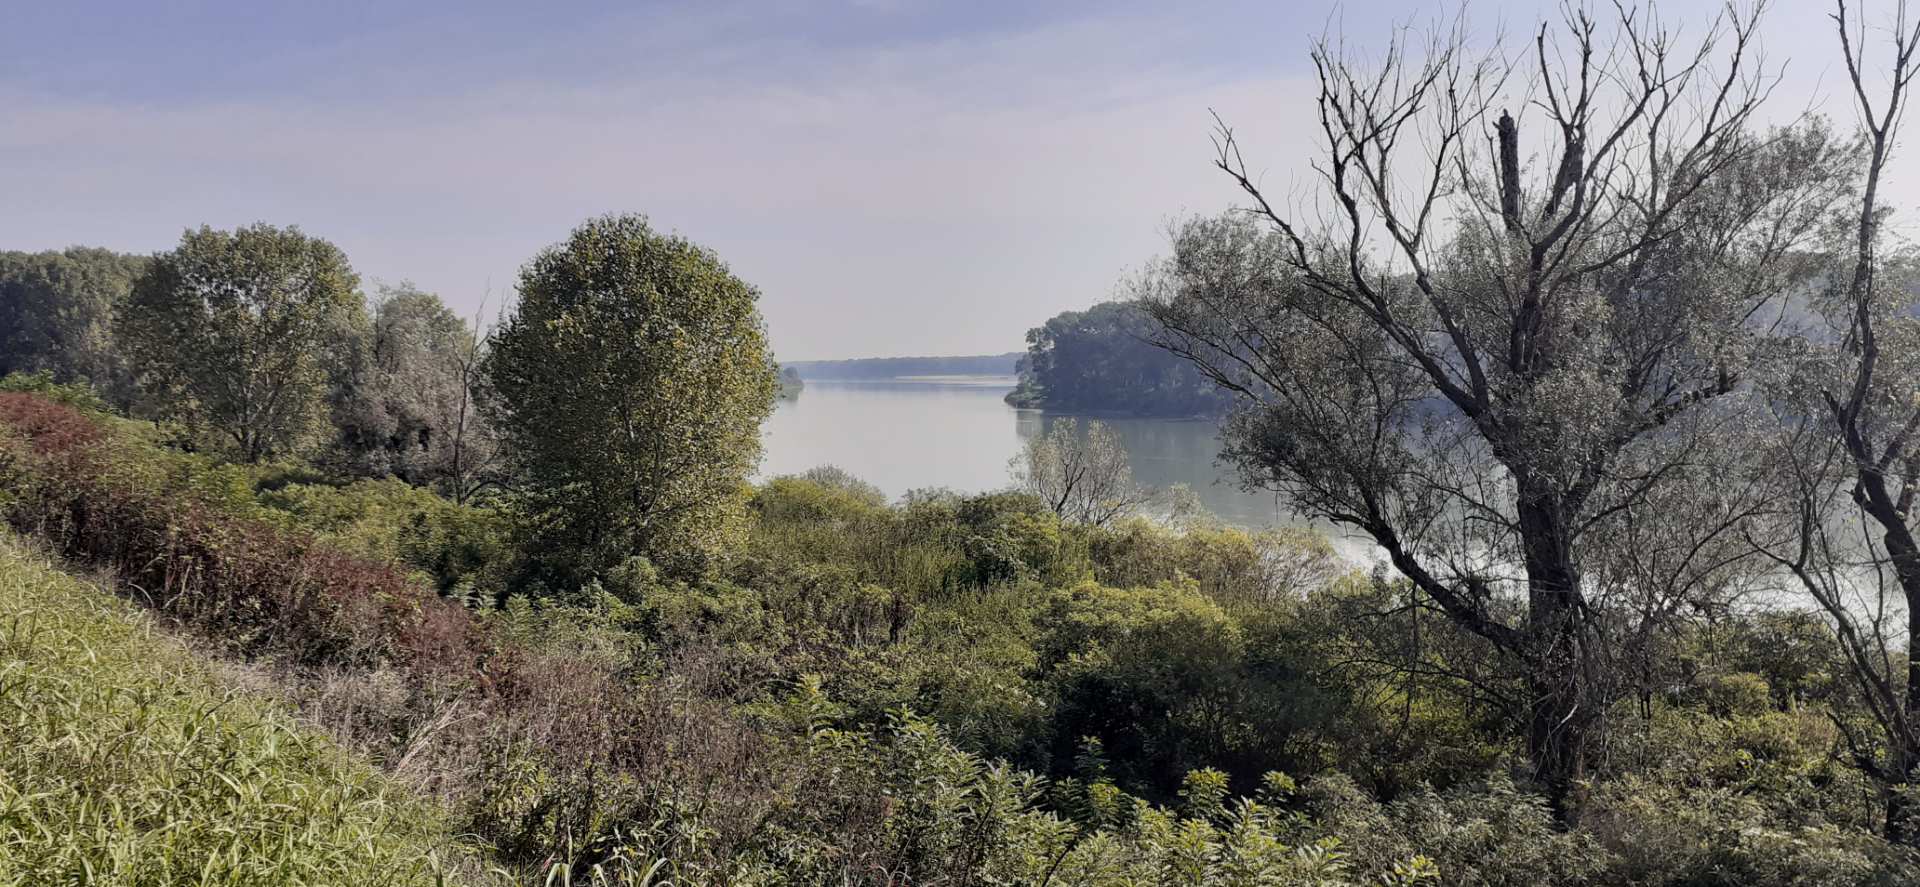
{"points": [[897, 177]]}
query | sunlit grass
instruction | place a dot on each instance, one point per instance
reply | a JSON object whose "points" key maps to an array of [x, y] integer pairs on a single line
{"points": [[123, 762]]}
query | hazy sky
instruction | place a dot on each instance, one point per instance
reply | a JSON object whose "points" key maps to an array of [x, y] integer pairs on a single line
{"points": [[898, 177]]}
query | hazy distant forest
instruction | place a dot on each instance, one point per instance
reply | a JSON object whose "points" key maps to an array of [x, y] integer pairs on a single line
{"points": [[1617, 383], [1105, 360]]}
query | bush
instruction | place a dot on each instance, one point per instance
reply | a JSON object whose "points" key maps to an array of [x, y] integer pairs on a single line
{"points": [[1165, 679], [461, 550], [257, 588], [80, 396]]}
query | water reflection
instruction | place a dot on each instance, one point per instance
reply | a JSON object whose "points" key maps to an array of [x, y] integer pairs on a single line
{"points": [[957, 432], [1165, 452]]}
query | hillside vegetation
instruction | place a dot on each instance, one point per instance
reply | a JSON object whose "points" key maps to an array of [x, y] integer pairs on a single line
{"points": [[871, 688], [1622, 407], [123, 760]]}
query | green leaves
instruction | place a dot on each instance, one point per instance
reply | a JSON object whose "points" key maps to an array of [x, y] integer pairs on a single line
{"points": [[233, 332], [121, 762], [56, 314], [632, 383]]}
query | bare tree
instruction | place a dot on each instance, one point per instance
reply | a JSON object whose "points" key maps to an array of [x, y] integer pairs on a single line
{"points": [[413, 408], [474, 453], [1512, 347], [1085, 479], [1850, 469]]}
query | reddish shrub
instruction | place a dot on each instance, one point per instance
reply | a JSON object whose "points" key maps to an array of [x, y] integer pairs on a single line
{"points": [[260, 589], [52, 427]]}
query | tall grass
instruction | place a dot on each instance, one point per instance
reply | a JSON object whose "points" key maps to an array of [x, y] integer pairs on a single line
{"points": [[123, 762]]}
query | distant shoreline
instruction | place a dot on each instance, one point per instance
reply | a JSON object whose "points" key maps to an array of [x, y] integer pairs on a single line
{"points": [[882, 368]]}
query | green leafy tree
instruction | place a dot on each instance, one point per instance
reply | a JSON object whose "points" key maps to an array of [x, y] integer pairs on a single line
{"points": [[236, 331], [631, 386], [56, 315]]}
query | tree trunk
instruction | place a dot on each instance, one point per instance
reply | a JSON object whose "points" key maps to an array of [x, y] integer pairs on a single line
{"points": [[1903, 809], [1903, 551], [1559, 716]]}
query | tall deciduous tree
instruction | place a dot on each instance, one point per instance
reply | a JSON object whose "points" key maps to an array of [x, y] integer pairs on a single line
{"points": [[631, 383], [410, 408], [1512, 347], [237, 331], [1849, 442]]}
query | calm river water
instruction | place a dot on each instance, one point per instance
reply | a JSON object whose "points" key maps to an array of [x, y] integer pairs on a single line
{"points": [[956, 432]]}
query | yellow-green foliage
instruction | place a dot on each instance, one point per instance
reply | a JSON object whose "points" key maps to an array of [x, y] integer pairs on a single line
{"points": [[123, 762], [453, 546]]}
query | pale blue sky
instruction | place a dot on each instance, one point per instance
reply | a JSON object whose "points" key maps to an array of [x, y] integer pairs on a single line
{"points": [[897, 176]]}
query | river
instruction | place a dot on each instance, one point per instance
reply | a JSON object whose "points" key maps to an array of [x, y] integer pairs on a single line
{"points": [[957, 432]]}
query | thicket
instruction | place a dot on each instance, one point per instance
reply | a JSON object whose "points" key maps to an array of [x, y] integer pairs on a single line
{"points": [[952, 689]]}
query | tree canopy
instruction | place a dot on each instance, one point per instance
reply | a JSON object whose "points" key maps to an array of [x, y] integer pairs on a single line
{"points": [[57, 311], [410, 407], [1513, 352], [237, 332], [632, 380], [1103, 360]]}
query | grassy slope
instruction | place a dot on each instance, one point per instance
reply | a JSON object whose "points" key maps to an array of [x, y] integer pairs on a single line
{"points": [[123, 762]]}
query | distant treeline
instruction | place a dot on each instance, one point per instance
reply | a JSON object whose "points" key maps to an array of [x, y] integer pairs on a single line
{"points": [[56, 315], [790, 384], [1099, 360], [896, 367]]}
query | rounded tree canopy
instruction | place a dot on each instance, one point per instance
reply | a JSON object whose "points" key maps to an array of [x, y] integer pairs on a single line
{"points": [[632, 381], [237, 330]]}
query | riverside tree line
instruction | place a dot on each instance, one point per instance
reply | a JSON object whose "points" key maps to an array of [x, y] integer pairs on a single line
{"points": [[1621, 383]]}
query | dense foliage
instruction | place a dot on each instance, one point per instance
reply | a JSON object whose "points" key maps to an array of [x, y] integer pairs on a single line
{"points": [[236, 332], [631, 383], [950, 689], [57, 311], [1103, 360], [409, 405]]}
